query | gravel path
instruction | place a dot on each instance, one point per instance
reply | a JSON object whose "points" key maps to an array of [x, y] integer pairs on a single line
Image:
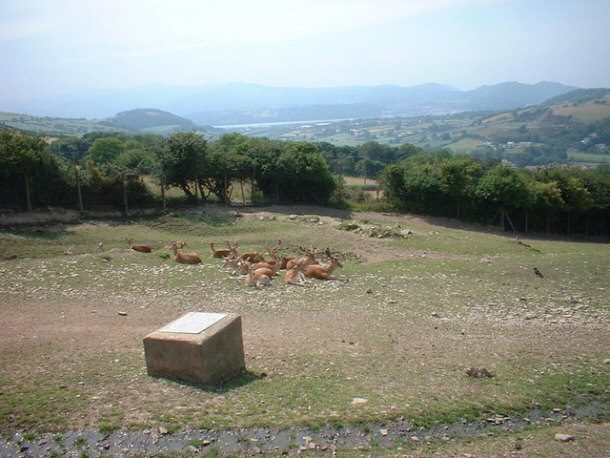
{"points": [[271, 442]]}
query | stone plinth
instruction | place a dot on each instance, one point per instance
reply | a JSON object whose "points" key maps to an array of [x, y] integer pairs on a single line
{"points": [[202, 348]]}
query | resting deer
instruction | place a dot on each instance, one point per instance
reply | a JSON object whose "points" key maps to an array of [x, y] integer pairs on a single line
{"points": [[250, 256], [321, 272], [312, 258], [185, 258], [295, 276], [256, 278], [138, 247], [238, 268], [220, 253], [273, 266], [281, 259]]}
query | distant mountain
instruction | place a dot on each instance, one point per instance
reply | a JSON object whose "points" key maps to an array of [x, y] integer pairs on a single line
{"points": [[240, 103]]}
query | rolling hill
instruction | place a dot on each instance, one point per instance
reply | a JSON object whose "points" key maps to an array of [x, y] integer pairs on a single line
{"points": [[240, 103], [133, 121]]}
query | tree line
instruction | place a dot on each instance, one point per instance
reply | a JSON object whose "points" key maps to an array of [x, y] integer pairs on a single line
{"points": [[554, 199], [108, 170], [101, 170]]}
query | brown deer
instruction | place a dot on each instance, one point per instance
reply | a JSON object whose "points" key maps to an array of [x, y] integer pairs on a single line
{"points": [[185, 258], [311, 258], [138, 247], [256, 278], [282, 259], [238, 268], [321, 272], [221, 253], [295, 276], [250, 256]]}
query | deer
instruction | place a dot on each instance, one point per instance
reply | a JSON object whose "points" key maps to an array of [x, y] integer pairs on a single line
{"points": [[256, 278], [295, 276], [238, 268], [221, 253], [282, 259], [312, 258], [321, 272], [251, 256], [185, 258], [272, 266], [138, 247]]}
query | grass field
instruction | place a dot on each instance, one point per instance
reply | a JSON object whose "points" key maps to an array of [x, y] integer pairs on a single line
{"points": [[585, 112], [415, 314]]}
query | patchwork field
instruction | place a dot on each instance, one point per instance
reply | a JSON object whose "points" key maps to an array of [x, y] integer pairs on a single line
{"points": [[390, 342]]}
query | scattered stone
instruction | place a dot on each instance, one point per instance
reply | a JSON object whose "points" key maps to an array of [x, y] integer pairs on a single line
{"points": [[563, 437], [478, 372], [122, 313], [357, 401], [435, 314], [383, 432], [607, 361], [531, 316], [163, 431], [192, 449]]}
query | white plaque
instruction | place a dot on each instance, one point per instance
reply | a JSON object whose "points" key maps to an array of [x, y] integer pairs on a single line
{"points": [[193, 322]]}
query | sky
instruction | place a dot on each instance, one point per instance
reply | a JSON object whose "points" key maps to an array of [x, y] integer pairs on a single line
{"points": [[51, 47]]}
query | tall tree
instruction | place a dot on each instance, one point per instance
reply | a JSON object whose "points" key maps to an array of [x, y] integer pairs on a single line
{"points": [[503, 189], [182, 162]]}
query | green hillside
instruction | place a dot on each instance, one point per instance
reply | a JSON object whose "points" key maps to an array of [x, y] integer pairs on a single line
{"points": [[133, 121], [145, 120]]}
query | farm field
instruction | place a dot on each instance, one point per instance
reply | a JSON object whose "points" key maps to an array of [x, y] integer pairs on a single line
{"points": [[382, 354]]}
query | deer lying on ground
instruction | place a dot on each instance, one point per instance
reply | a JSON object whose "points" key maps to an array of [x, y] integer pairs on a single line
{"points": [[321, 272], [138, 247], [250, 256], [237, 267], [295, 276], [185, 258], [220, 253], [256, 277], [281, 259], [311, 258]]}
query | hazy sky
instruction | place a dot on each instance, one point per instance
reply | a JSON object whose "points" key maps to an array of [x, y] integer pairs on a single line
{"points": [[49, 47]]}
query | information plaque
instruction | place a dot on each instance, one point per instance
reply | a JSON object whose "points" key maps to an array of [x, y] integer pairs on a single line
{"points": [[193, 322]]}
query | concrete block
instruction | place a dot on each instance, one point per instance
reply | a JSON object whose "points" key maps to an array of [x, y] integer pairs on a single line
{"points": [[201, 348]]}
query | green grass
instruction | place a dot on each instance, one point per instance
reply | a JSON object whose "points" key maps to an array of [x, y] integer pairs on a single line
{"points": [[590, 157], [415, 314]]}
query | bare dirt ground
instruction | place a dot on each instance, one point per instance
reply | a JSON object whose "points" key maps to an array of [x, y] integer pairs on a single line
{"points": [[65, 324]]}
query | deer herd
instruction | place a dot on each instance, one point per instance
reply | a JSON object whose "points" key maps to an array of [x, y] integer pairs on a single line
{"points": [[257, 270]]}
